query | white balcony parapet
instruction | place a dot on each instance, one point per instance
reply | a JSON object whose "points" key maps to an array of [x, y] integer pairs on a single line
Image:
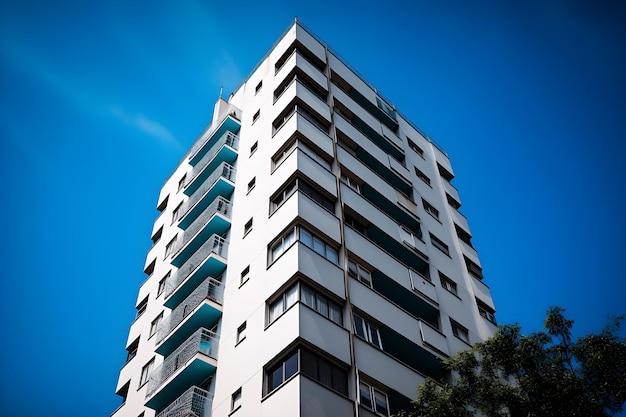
{"points": [[211, 289], [228, 138], [192, 403], [219, 205], [216, 244], [202, 341]]}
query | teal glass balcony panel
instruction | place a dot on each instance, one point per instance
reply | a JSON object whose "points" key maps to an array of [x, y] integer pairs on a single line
{"points": [[220, 182], [190, 364], [215, 220], [195, 402], [201, 308], [208, 261], [224, 150], [230, 124], [411, 354]]}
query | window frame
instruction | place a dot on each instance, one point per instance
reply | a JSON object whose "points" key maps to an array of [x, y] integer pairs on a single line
{"points": [[372, 391], [154, 324], [439, 244], [146, 370], [358, 268], [459, 331], [368, 331]]}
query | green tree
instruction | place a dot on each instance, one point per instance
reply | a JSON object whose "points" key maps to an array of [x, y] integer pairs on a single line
{"points": [[540, 375]]}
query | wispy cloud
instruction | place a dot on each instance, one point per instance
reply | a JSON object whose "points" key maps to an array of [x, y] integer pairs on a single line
{"points": [[146, 125]]}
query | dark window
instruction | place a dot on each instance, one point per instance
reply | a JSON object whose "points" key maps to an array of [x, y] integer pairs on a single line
{"points": [[439, 244], [422, 176]]}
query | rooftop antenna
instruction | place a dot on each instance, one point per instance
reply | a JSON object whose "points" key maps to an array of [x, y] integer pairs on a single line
{"points": [[221, 88]]}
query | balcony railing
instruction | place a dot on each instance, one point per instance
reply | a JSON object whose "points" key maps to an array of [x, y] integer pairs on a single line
{"points": [[219, 205], [202, 341], [192, 403], [210, 289], [224, 170], [228, 138], [216, 244]]}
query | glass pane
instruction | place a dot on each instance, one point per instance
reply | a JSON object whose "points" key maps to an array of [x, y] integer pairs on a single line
{"points": [[289, 239], [340, 381], [325, 376], [322, 305], [276, 378], [331, 255], [364, 276], [276, 310], [319, 246], [352, 269], [335, 313], [365, 395], [358, 326], [277, 250], [306, 238], [375, 336], [308, 364], [308, 296], [380, 400], [291, 365], [291, 296]]}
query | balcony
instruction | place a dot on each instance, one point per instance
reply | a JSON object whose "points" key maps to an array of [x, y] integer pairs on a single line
{"points": [[220, 182], [230, 123], [190, 364], [208, 261], [202, 307], [192, 403], [215, 220], [433, 338], [223, 150]]}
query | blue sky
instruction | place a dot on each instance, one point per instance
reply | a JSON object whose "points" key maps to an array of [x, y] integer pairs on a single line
{"points": [[100, 101]]}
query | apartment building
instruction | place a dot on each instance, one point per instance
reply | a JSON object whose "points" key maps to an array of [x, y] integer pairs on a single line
{"points": [[308, 259]]}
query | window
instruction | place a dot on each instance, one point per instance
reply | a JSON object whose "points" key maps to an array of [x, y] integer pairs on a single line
{"points": [[422, 176], [301, 185], [161, 207], [408, 236], [163, 283], [367, 331], [247, 228], [176, 212], [256, 116], [309, 297], [258, 87], [241, 332], [298, 233], [373, 398], [141, 307], [283, 154], [235, 402], [439, 244], [453, 203], [473, 268], [150, 268], [459, 331], [251, 184], [313, 366], [386, 108], [448, 284], [485, 311], [245, 275], [464, 236], [132, 350], [355, 224], [447, 175], [253, 148], [358, 271], [351, 182], [145, 372], [415, 148], [157, 236], [155, 324], [428, 208], [170, 246], [181, 182]]}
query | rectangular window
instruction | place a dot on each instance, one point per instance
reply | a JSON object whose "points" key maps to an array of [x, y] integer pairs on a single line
{"points": [[155, 324], [283, 154], [358, 271], [485, 311], [453, 203], [247, 228], [459, 331], [407, 236], [301, 185], [439, 244], [422, 176], [308, 296], [235, 401], [448, 284], [245, 275], [464, 236], [256, 116], [251, 184], [355, 224], [241, 332], [373, 398], [170, 246], [132, 350], [145, 372], [253, 148], [445, 174], [258, 87], [181, 182], [367, 331], [415, 148], [428, 208], [298, 233], [141, 307], [163, 283], [313, 366], [473, 268], [351, 182], [176, 213], [157, 236]]}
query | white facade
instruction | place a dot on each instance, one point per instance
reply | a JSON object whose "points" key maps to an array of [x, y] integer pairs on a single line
{"points": [[309, 258]]}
